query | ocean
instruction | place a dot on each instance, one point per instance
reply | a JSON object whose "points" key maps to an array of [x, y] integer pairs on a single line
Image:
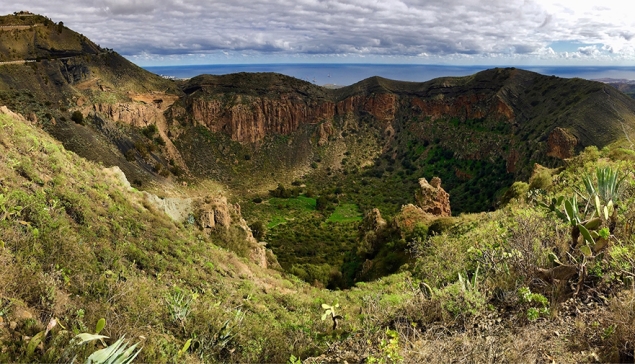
{"points": [[348, 74]]}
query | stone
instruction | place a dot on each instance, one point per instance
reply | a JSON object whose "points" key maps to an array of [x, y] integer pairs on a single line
{"points": [[372, 221], [432, 198], [21, 314], [561, 143], [216, 212], [324, 132], [207, 220]]}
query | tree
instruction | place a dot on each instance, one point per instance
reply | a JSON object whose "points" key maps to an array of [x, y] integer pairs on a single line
{"points": [[78, 117], [321, 203], [258, 229]]}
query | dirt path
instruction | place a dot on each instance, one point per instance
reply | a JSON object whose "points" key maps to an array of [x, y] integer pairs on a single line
{"points": [[18, 27], [21, 61]]}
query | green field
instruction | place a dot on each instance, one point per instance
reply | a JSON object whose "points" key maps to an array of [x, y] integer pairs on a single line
{"points": [[347, 212]]}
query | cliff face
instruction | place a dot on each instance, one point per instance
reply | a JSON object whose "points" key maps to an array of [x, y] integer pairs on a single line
{"points": [[249, 119]]}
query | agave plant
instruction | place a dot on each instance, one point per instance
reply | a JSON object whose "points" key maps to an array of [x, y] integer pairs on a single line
{"points": [[608, 184], [606, 194], [117, 353]]}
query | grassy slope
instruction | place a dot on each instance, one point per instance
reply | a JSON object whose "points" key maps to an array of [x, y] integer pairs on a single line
{"points": [[77, 247]]}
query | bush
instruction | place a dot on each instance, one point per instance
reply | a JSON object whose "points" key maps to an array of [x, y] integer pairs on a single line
{"points": [[78, 117], [540, 180], [159, 140], [441, 225], [258, 230], [517, 191], [177, 171], [459, 301], [149, 131], [321, 203], [130, 155]]}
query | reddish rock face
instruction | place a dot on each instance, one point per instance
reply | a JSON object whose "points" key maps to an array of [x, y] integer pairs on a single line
{"points": [[135, 114], [561, 143], [250, 119], [382, 106]]}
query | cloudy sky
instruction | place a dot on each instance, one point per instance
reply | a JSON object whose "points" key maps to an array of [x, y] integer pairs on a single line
{"points": [[454, 32]]}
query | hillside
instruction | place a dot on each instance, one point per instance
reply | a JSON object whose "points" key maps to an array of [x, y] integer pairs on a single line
{"points": [[78, 245], [429, 211]]}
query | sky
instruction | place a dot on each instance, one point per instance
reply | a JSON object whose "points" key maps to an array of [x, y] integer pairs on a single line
{"points": [[451, 32]]}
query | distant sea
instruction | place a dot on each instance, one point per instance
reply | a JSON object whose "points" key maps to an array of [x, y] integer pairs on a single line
{"points": [[347, 74]]}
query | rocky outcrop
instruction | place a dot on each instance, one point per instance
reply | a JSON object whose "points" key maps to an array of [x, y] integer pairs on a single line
{"points": [[561, 143], [432, 198], [147, 110], [178, 209], [463, 107], [5, 111], [408, 218], [372, 221], [135, 114], [325, 131], [215, 212], [371, 230], [249, 119]]}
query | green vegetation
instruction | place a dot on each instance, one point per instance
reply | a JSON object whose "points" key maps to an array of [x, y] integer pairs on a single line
{"points": [[78, 247], [345, 213]]}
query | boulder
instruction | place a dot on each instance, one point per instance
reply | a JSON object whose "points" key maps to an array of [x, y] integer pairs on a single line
{"points": [[561, 143]]}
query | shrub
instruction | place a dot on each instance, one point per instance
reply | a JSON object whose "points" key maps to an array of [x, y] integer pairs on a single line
{"points": [[460, 301], [517, 191], [78, 117], [130, 155], [150, 130], [441, 225], [321, 203], [177, 171], [258, 229], [159, 140], [540, 181]]}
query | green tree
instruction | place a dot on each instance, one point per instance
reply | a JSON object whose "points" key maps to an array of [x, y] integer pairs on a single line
{"points": [[321, 203], [258, 229], [78, 117]]}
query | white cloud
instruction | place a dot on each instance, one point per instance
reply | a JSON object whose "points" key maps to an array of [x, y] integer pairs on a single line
{"points": [[434, 29]]}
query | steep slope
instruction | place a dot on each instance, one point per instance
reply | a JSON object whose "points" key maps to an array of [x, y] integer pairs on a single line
{"points": [[52, 71]]}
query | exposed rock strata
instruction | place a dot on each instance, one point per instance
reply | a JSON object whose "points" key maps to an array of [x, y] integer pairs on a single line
{"points": [[250, 119]]}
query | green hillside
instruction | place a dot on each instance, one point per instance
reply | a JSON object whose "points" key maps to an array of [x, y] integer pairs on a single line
{"points": [[536, 263], [77, 247]]}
